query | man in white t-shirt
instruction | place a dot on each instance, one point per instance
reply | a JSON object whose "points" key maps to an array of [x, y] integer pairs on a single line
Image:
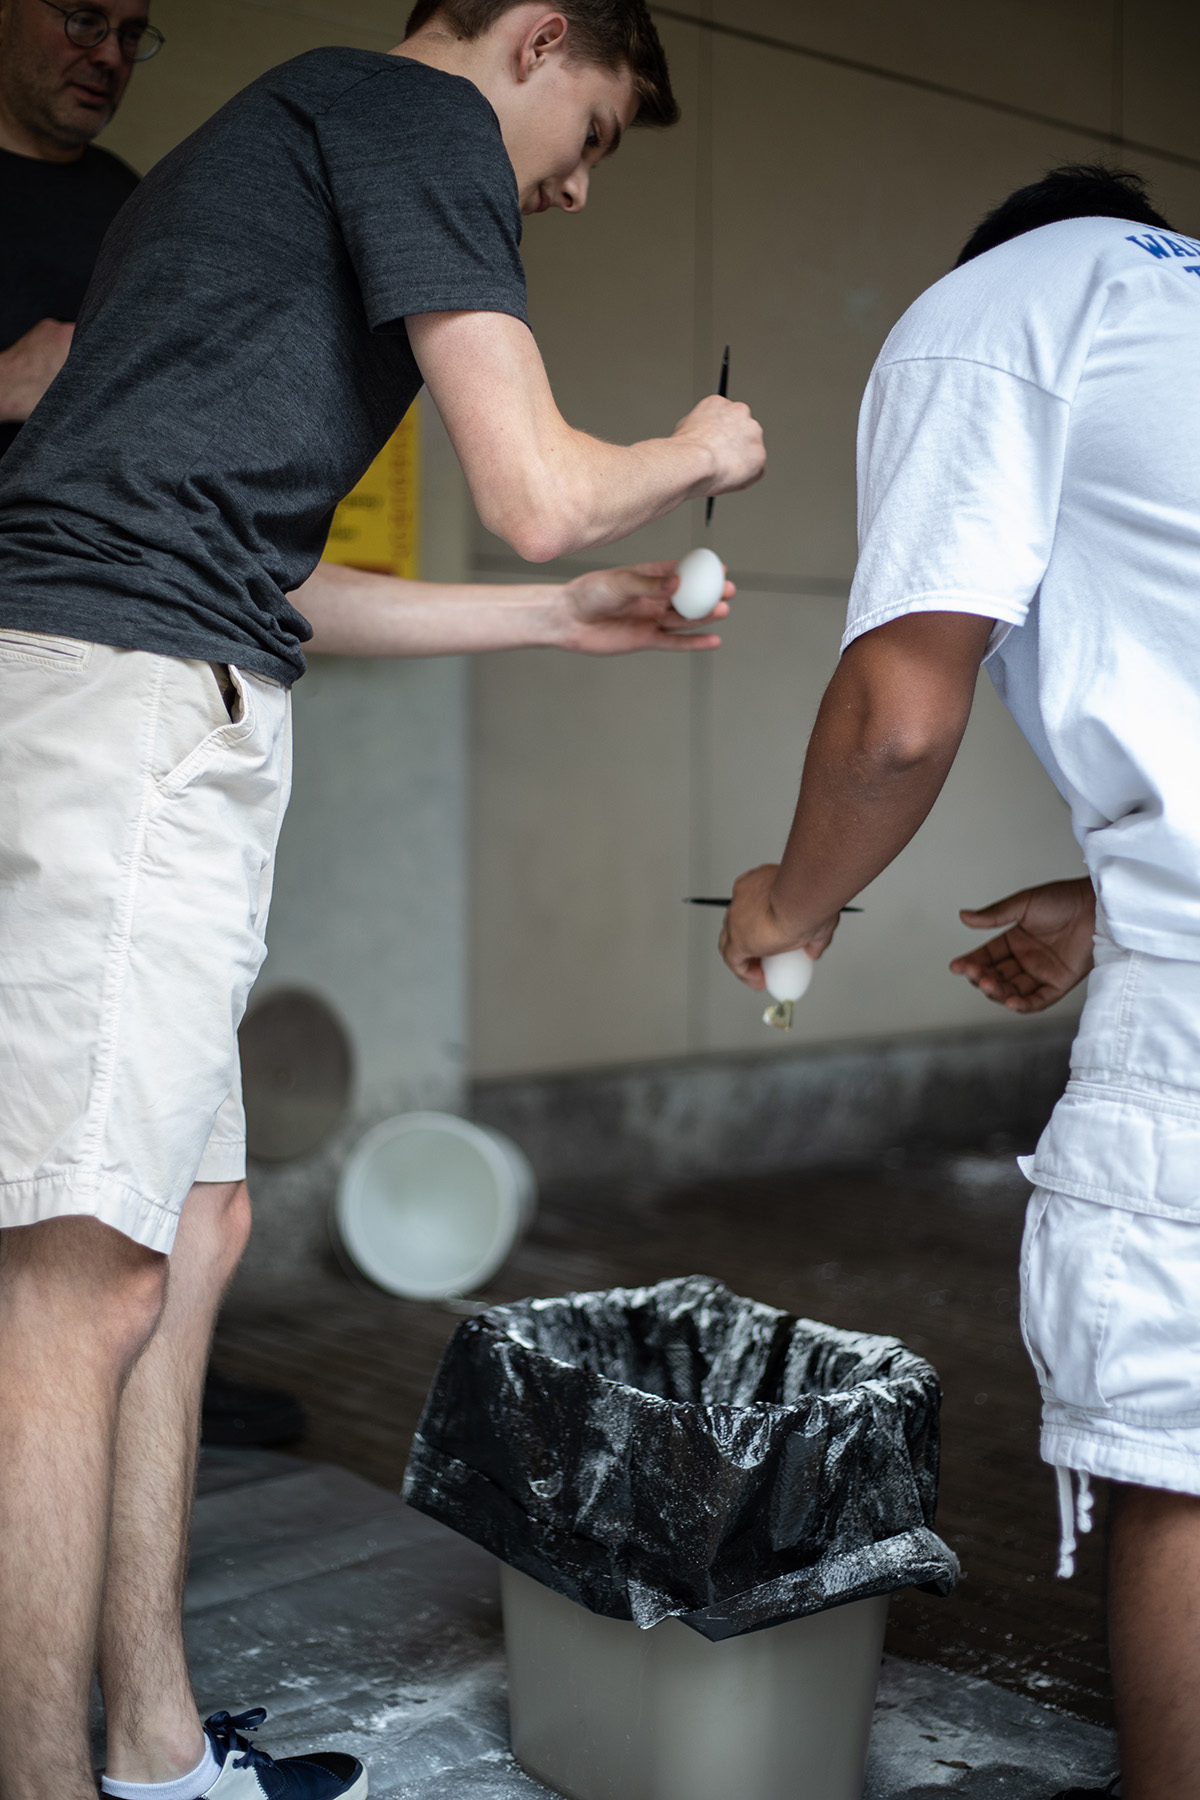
{"points": [[1029, 498]]}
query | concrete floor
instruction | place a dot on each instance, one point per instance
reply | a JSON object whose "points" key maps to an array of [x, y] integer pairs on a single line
{"points": [[363, 1626]]}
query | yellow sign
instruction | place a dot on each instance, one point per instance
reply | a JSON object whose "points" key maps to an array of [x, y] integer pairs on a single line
{"points": [[375, 527]]}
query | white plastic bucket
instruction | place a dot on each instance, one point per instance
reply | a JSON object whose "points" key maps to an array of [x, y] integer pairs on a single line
{"points": [[603, 1711], [430, 1205]]}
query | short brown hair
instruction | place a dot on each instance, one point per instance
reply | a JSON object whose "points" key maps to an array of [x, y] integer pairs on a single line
{"points": [[614, 33]]}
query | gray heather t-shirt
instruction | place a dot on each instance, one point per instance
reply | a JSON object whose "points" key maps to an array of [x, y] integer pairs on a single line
{"points": [[242, 357]]}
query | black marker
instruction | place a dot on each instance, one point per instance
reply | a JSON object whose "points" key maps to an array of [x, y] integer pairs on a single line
{"points": [[717, 900], [723, 390]]}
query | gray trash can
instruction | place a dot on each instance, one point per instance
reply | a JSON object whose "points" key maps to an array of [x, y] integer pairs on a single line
{"points": [[702, 1505], [602, 1711]]}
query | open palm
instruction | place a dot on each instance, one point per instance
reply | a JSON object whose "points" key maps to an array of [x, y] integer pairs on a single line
{"points": [[615, 611], [1044, 948]]}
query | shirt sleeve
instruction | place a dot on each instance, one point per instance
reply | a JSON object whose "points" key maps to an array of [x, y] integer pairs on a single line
{"points": [[959, 474], [425, 196]]}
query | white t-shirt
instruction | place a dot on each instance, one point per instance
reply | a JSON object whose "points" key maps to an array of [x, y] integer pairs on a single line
{"points": [[1029, 451]]}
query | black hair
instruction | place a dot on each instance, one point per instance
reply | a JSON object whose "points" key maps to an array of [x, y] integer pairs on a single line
{"points": [[1074, 191]]}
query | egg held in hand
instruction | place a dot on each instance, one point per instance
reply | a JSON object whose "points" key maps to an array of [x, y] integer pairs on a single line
{"points": [[788, 974], [701, 583], [787, 977]]}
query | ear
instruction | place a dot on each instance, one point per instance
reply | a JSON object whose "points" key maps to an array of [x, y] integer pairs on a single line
{"points": [[543, 38]]}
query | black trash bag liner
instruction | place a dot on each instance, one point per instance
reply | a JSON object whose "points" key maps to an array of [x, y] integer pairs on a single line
{"points": [[679, 1451]]}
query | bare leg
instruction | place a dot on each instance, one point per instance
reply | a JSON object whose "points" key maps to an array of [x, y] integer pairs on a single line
{"points": [[1154, 1627], [78, 1303], [153, 1728]]}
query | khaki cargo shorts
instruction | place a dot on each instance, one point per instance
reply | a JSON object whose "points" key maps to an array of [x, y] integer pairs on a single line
{"points": [[140, 803]]}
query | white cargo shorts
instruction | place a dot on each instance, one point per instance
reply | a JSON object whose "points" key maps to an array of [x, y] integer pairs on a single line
{"points": [[1111, 1257], [139, 813]]}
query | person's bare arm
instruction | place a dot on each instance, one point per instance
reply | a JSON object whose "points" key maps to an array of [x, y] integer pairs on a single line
{"points": [[886, 734], [545, 488], [611, 612], [1044, 948], [29, 366]]}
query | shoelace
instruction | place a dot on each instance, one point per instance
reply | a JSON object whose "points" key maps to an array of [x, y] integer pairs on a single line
{"points": [[224, 1729]]}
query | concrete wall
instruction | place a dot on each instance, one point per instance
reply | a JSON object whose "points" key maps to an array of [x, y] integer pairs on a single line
{"points": [[833, 157], [215, 47], [700, 1118], [369, 909]]}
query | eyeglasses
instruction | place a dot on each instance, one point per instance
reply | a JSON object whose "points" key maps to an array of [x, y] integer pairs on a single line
{"points": [[87, 26]]}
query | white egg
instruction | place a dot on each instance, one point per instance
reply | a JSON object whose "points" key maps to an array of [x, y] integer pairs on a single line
{"points": [[788, 974], [701, 583]]}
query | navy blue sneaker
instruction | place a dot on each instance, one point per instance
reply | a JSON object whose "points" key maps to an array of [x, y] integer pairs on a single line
{"points": [[250, 1774]]}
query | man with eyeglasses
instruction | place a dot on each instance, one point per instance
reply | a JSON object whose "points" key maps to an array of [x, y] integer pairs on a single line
{"points": [[63, 72]]}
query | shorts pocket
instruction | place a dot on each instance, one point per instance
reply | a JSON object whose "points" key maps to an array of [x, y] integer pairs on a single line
{"points": [[44, 649], [1035, 1213], [195, 723], [1110, 1310]]}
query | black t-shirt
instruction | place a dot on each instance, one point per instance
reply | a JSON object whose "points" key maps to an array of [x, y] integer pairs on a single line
{"points": [[242, 356], [53, 217]]}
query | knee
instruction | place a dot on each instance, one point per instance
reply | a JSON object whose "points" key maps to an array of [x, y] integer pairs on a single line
{"points": [[75, 1275], [234, 1223], [133, 1303], [216, 1223], [129, 1291]]}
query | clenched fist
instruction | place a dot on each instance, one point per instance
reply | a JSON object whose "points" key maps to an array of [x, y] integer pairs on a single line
{"points": [[733, 438]]}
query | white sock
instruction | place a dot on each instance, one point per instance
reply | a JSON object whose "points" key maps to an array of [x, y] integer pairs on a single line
{"points": [[188, 1787]]}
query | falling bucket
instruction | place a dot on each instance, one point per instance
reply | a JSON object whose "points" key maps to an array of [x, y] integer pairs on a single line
{"points": [[430, 1205]]}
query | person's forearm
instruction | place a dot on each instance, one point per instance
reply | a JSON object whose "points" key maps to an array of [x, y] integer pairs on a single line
{"points": [[17, 398], [549, 490], [29, 366], [579, 493], [545, 488], [886, 735], [355, 613], [887, 732], [860, 803]]}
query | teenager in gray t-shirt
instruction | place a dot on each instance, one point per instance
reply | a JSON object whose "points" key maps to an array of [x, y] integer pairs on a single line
{"points": [[242, 355], [282, 285]]}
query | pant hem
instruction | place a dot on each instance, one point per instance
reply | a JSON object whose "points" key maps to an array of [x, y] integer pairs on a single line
{"points": [[225, 1161], [31, 1202], [1138, 1461]]}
